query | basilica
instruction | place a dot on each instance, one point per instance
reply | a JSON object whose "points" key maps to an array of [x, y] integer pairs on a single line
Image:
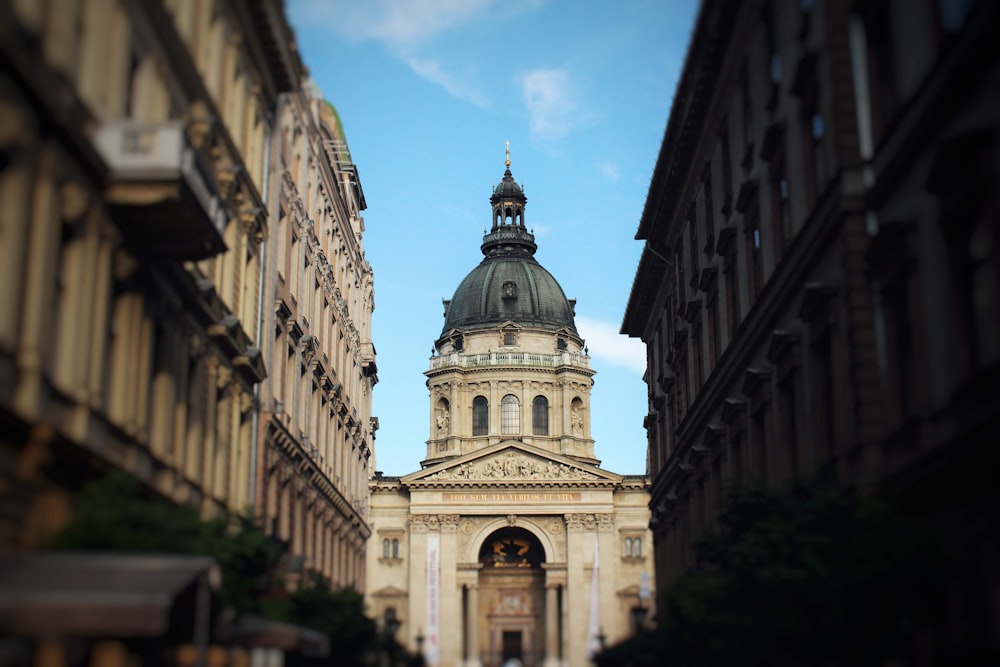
{"points": [[510, 541]]}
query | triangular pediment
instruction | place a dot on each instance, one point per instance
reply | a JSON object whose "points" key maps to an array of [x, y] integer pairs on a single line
{"points": [[511, 462]]}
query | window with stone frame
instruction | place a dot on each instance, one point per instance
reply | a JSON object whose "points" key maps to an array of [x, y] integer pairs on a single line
{"points": [[540, 416], [510, 415], [775, 66], [964, 177], [695, 264], [480, 416], [727, 168], [746, 116], [391, 545], [755, 259], [881, 62], [710, 285], [818, 311], [756, 388], [734, 417], [726, 249], [890, 261], [784, 354], [773, 151], [632, 548]]}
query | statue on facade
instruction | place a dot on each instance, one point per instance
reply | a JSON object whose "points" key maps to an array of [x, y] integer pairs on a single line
{"points": [[443, 420], [577, 421]]}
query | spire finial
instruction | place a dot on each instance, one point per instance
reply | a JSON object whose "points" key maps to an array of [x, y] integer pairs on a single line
{"points": [[508, 153]]}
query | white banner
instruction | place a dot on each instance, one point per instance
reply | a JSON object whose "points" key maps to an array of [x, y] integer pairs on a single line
{"points": [[594, 627], [432, 653]]}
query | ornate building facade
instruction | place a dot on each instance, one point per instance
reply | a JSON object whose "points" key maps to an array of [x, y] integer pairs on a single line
{"points": [[317, 428], [510, 541], [179, 213], [133, 180], [818, 287]]}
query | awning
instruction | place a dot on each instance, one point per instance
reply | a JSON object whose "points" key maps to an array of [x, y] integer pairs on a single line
{"points": [[256, 631], [96, 594]]}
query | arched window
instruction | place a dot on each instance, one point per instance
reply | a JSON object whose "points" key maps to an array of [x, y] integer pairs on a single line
{"points": [[540, 416], [480, 416], [510, 415], [395, 548], [636, 546], [628, 547], [385, 548]]}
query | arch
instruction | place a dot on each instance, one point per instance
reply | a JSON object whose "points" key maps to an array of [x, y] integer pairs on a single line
{"points": [[480, 416], [576, 416], [510, 415], [540, 415], [530, 524], [511, 547]]}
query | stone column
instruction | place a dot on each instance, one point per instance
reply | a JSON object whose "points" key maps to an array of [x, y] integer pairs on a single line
{"points": [[473, 658], [552, 625], [576, 601]]}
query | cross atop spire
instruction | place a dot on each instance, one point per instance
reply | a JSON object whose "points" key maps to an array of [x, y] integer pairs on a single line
{"points": [[508, 153]]}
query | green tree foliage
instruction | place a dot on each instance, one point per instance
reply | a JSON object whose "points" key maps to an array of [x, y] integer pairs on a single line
{"points": [[820, 575], [115, 514], [339, 615]]}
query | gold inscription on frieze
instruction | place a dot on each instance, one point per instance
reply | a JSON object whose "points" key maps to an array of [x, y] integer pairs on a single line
{"points": [[511, 496]]}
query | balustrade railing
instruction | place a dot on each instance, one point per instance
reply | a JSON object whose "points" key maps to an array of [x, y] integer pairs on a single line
{"points": [[512, 358]]}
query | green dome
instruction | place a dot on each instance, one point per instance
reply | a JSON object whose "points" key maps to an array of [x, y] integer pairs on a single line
{"points": [[508, 188], [509, 287]]}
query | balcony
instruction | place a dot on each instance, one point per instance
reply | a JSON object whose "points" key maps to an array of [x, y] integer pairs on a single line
{"points": [[500, 359], [162, 191]]}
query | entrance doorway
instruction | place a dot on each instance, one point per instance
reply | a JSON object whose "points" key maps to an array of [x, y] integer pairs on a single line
{"points": [[512, 647], [511, 598]]}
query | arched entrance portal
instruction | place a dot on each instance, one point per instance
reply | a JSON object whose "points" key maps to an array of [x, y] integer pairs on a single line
{"points": [[512, 598]]}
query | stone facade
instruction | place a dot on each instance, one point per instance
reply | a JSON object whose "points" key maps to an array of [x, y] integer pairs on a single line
{"points": [[818, 286], [495, 536], [165, 175], [317, 428]]}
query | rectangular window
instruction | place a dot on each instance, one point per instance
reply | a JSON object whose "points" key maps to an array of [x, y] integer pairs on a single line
{"points": [[755, 263], [732, 303], [695, 250], [727, 166], [788, 409], [781, 219], [510, 338], [709, 221]]}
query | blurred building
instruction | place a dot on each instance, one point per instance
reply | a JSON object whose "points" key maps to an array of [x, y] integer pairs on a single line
{"points": [[173, 201], [510, 541], [317, 428], [819, 286]]}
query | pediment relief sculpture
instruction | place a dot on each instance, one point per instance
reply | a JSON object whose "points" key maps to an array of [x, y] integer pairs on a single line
{"points": [[512, 466]]}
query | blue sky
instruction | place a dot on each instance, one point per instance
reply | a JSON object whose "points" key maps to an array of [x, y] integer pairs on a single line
{"points": [[428, 92]]}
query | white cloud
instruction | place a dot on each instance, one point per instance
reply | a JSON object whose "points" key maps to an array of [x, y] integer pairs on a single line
{"points": [[604, 342], [609, 170], [460, 87], [400, 24], [548, 96], [551, 100]]}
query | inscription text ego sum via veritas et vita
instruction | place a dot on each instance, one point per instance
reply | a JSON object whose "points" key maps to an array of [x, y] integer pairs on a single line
{"points": [[511, 497]]}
